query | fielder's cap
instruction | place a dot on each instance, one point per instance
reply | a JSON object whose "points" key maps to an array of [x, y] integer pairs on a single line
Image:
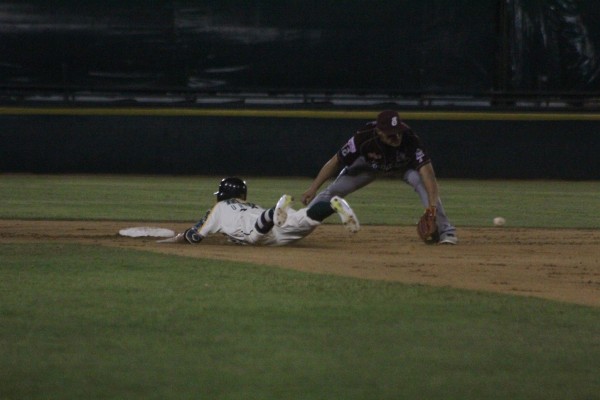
{"points": [[389, 120]]}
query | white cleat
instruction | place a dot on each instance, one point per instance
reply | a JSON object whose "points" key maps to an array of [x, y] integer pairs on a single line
{"points": [[346, 213], [281, 209]]}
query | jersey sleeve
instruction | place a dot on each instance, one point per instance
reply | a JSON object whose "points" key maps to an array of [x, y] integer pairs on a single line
{"points": [[419, 154], [349, 152], [212, 223]]}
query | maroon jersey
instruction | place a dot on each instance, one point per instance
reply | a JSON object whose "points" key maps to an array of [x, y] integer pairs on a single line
{"points": [[411, 153]]}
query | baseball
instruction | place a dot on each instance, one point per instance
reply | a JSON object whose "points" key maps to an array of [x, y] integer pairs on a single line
{"points": [[499, 221]]}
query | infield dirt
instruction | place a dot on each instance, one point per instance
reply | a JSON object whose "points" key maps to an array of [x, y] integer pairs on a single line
{"points": [[561, 265]]}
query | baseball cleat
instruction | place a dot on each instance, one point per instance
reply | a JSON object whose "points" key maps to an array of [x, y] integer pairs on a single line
{"points": [[346, 213], [281, 209], [448, 238]]}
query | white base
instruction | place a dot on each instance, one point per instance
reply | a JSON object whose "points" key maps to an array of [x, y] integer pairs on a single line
{"points": [[146, 231]]}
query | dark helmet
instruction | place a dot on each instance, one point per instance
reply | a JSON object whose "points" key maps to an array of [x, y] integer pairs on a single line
{"points": [[231, 188]]}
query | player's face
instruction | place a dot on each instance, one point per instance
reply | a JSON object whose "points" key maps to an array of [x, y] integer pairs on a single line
{"points": [[391, 138]]}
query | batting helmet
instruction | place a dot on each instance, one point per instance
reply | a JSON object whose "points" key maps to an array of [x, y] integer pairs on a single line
{"points": [[231, 188]]}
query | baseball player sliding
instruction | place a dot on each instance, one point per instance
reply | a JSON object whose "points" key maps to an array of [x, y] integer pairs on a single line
{"points": [[386, 146], [247, 223]]}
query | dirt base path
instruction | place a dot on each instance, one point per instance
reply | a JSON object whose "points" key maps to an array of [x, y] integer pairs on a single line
{"points": [[560, 264]]}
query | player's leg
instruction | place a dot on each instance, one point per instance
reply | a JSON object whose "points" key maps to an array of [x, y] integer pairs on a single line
{"points": [[323, 209], [264, 223], [348, 181], [297, 226], [301, 223], [446, 229], [275, 216]]}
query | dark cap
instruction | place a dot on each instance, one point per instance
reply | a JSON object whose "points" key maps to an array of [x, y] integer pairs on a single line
{"points": [[389, 120]]}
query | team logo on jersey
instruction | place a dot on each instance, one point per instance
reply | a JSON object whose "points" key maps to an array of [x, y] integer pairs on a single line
{"points": [[348, 148], [419, 155]]}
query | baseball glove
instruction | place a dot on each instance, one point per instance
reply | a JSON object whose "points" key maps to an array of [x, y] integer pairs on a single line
{"points": [[427, 227]]}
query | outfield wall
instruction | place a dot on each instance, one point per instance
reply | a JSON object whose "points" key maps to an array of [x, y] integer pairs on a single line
{"points": [[288, 143]]}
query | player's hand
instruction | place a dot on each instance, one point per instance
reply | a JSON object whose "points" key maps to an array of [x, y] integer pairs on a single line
{"points": [[427, 226], [192, 236], [308, 196], [179, 238]]}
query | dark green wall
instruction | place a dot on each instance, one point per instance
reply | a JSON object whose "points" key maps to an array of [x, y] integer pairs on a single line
{"points": [[272, 146]]}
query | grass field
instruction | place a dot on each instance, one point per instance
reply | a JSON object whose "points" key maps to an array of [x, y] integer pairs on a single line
{"points": [[549, 204], [83, 321]]}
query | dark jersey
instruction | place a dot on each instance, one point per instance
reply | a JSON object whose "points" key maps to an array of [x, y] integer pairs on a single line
{"points": [[411, 153]]}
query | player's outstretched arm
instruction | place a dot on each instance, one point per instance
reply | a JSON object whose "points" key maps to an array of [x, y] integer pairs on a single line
{"points": [[179, 238], [430, 183], [189, 236]]}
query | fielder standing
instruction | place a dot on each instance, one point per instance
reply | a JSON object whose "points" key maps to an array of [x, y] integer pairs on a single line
{"points": [[385, 146]]}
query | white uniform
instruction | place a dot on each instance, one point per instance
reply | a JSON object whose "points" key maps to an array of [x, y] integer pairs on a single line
{"points": [[236, 219]]}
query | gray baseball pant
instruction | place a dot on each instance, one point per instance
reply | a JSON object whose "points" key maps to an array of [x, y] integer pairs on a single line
{"points": [[349, 181]]}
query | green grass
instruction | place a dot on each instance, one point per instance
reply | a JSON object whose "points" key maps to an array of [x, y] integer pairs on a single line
{"points": [[548, 204], [80, 321], [89, 322]]}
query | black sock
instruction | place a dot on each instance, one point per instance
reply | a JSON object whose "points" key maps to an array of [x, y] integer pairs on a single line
{"points": [[319, 211], [265, 223]]}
